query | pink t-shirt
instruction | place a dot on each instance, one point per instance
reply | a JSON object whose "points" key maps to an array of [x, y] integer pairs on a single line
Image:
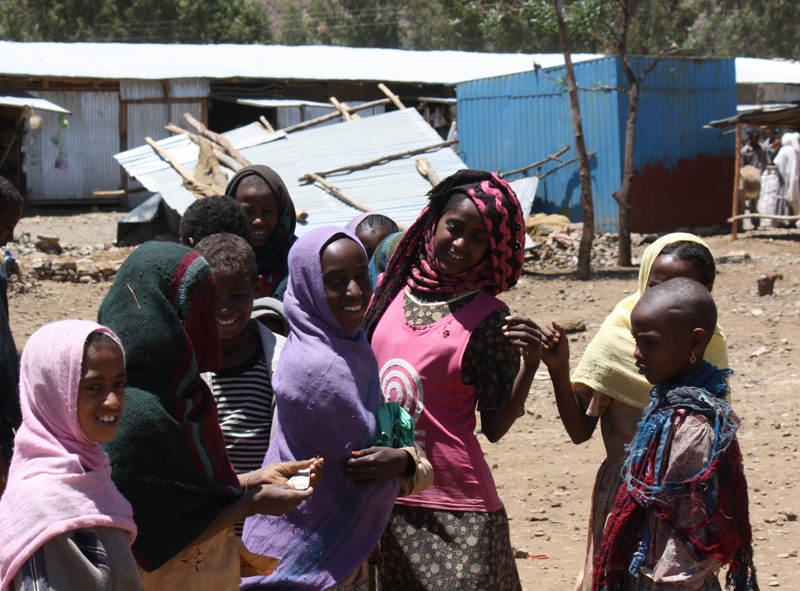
{"points": [[421, 370]]}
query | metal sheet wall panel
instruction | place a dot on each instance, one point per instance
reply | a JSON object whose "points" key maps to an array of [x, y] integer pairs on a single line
{"points": [[90, 143], [189, 88], [141, 89], [511, 121]]}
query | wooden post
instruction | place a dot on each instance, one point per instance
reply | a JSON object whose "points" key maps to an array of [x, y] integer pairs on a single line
{"points": [[341, 108], [266, 124], [179, 168], [392, 96], [425, 168], [336, 192], [334, 115], [221, 156], [736, 166], [215, 137], [376, 161]]}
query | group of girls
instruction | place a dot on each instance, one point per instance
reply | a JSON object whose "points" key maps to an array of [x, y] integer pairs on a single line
{"points": [[436, 345], [162, 480]]}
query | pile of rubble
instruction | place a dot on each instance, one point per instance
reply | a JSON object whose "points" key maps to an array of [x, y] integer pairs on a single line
{"points": [[62, 262], [556, 243]]}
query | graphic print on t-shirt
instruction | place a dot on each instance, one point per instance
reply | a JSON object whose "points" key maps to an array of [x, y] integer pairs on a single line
{"points": [[401, 383]]}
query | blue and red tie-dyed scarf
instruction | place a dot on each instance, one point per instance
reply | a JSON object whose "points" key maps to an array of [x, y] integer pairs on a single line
{"points": [[719, 491]]}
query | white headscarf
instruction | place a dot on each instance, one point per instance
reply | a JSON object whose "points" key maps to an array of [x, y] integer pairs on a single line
{"points": [[788, 164]]}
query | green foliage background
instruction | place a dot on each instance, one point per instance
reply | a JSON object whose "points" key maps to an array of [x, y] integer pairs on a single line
{"points": [[759, 28]]}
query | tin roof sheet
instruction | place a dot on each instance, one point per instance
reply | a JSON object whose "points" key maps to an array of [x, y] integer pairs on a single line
{"points": [[18, 98], [395, 188], [750, 70], [120, 61]]}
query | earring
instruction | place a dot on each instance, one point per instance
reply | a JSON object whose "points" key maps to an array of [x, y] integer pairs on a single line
{"points": [[692, 359]]}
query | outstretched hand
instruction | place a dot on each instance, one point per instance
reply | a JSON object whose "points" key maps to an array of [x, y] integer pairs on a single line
{"points": [[281, 472], [524, 333]]}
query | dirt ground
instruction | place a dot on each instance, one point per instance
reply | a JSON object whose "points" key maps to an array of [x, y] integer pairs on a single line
{"points": [[545, 480]]}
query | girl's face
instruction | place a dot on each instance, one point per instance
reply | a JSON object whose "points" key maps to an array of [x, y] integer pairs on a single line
{"points": [[461, 240], [345, 274], [669, 266], [101, 393], [261, 209]]}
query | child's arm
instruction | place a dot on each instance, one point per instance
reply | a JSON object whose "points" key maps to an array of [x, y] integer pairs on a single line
{"points": [[523, 333], [265, 497], [555, 355]]}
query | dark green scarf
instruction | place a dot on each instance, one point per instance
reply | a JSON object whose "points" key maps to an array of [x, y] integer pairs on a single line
{"points": [[168, 457]]}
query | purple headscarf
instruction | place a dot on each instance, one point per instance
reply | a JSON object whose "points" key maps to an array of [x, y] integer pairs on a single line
{"points": [[327, 390]]}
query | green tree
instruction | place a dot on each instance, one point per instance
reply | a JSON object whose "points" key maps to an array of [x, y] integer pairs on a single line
{"points": [[164, 21], [293, 27]]}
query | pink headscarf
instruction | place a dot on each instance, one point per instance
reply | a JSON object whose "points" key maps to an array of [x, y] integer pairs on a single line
{"points": [[59, 479]]}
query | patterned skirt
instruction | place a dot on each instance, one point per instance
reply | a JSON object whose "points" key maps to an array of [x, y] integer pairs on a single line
{"points": [[425, 549], [642, 583]]}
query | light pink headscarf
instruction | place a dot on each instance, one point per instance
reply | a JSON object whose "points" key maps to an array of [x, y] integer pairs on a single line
{"points": [[59, 479]]}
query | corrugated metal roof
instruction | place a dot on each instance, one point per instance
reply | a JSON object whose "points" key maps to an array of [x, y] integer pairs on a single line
{"points": [[18, 98], [119, 61], [395, 189], [750, 70]]}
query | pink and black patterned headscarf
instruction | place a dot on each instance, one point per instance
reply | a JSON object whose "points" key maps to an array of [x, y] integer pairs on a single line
{"points": [[414, 263]]}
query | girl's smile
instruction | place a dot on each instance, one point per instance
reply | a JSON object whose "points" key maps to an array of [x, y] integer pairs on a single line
{"points": [[345, 274]]}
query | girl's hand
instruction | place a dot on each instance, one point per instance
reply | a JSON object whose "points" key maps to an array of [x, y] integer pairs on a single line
{"points": [[281, 472], [275, 499], [524, 333], [555, 345], [373, 465]]}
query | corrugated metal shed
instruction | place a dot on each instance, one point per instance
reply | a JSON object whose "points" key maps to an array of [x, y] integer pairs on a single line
{"points": [[681, 170], [395, 188], [87, 147], [119, 61]]}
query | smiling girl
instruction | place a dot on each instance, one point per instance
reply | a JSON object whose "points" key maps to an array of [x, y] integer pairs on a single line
{"points": [[328, 391], [271, 219], [64, 524], [446, 345]]}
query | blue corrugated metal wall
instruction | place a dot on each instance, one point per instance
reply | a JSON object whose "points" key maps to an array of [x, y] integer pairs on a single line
{"points": [[511, 121]]}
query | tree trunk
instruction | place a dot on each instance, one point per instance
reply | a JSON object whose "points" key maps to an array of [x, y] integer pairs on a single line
{"points": [[587, 238], [623, 196]]}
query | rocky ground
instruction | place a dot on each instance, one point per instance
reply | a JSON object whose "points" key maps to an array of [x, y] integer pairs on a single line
{"points": [[545, 480]]}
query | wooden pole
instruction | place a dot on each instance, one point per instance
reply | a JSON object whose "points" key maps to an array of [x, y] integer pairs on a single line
{"points": [[215, 137], [334, 115], [266, 124], [425, 168], [221, 156], [539, 163], [341, 108], [392, 96], [174, 163], [768, 216], [337, 193], [375, 161], [736, 166]]}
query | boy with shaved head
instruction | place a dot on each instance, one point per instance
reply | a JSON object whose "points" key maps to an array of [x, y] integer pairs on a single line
{"points": [[682, 511]]}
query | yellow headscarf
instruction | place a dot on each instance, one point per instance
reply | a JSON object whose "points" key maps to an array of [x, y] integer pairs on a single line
{"points": [[608, 365]]}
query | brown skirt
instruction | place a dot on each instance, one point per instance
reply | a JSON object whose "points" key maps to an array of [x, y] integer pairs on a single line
{"points": [[425, 549]]}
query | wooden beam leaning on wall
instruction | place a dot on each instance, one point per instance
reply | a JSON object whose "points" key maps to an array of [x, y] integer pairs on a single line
{"points": [[217, 138], [221, 156], [197, 188]]}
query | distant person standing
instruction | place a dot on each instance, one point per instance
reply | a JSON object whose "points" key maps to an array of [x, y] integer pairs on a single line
{"points": [[788, 164], [753, 154]]}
